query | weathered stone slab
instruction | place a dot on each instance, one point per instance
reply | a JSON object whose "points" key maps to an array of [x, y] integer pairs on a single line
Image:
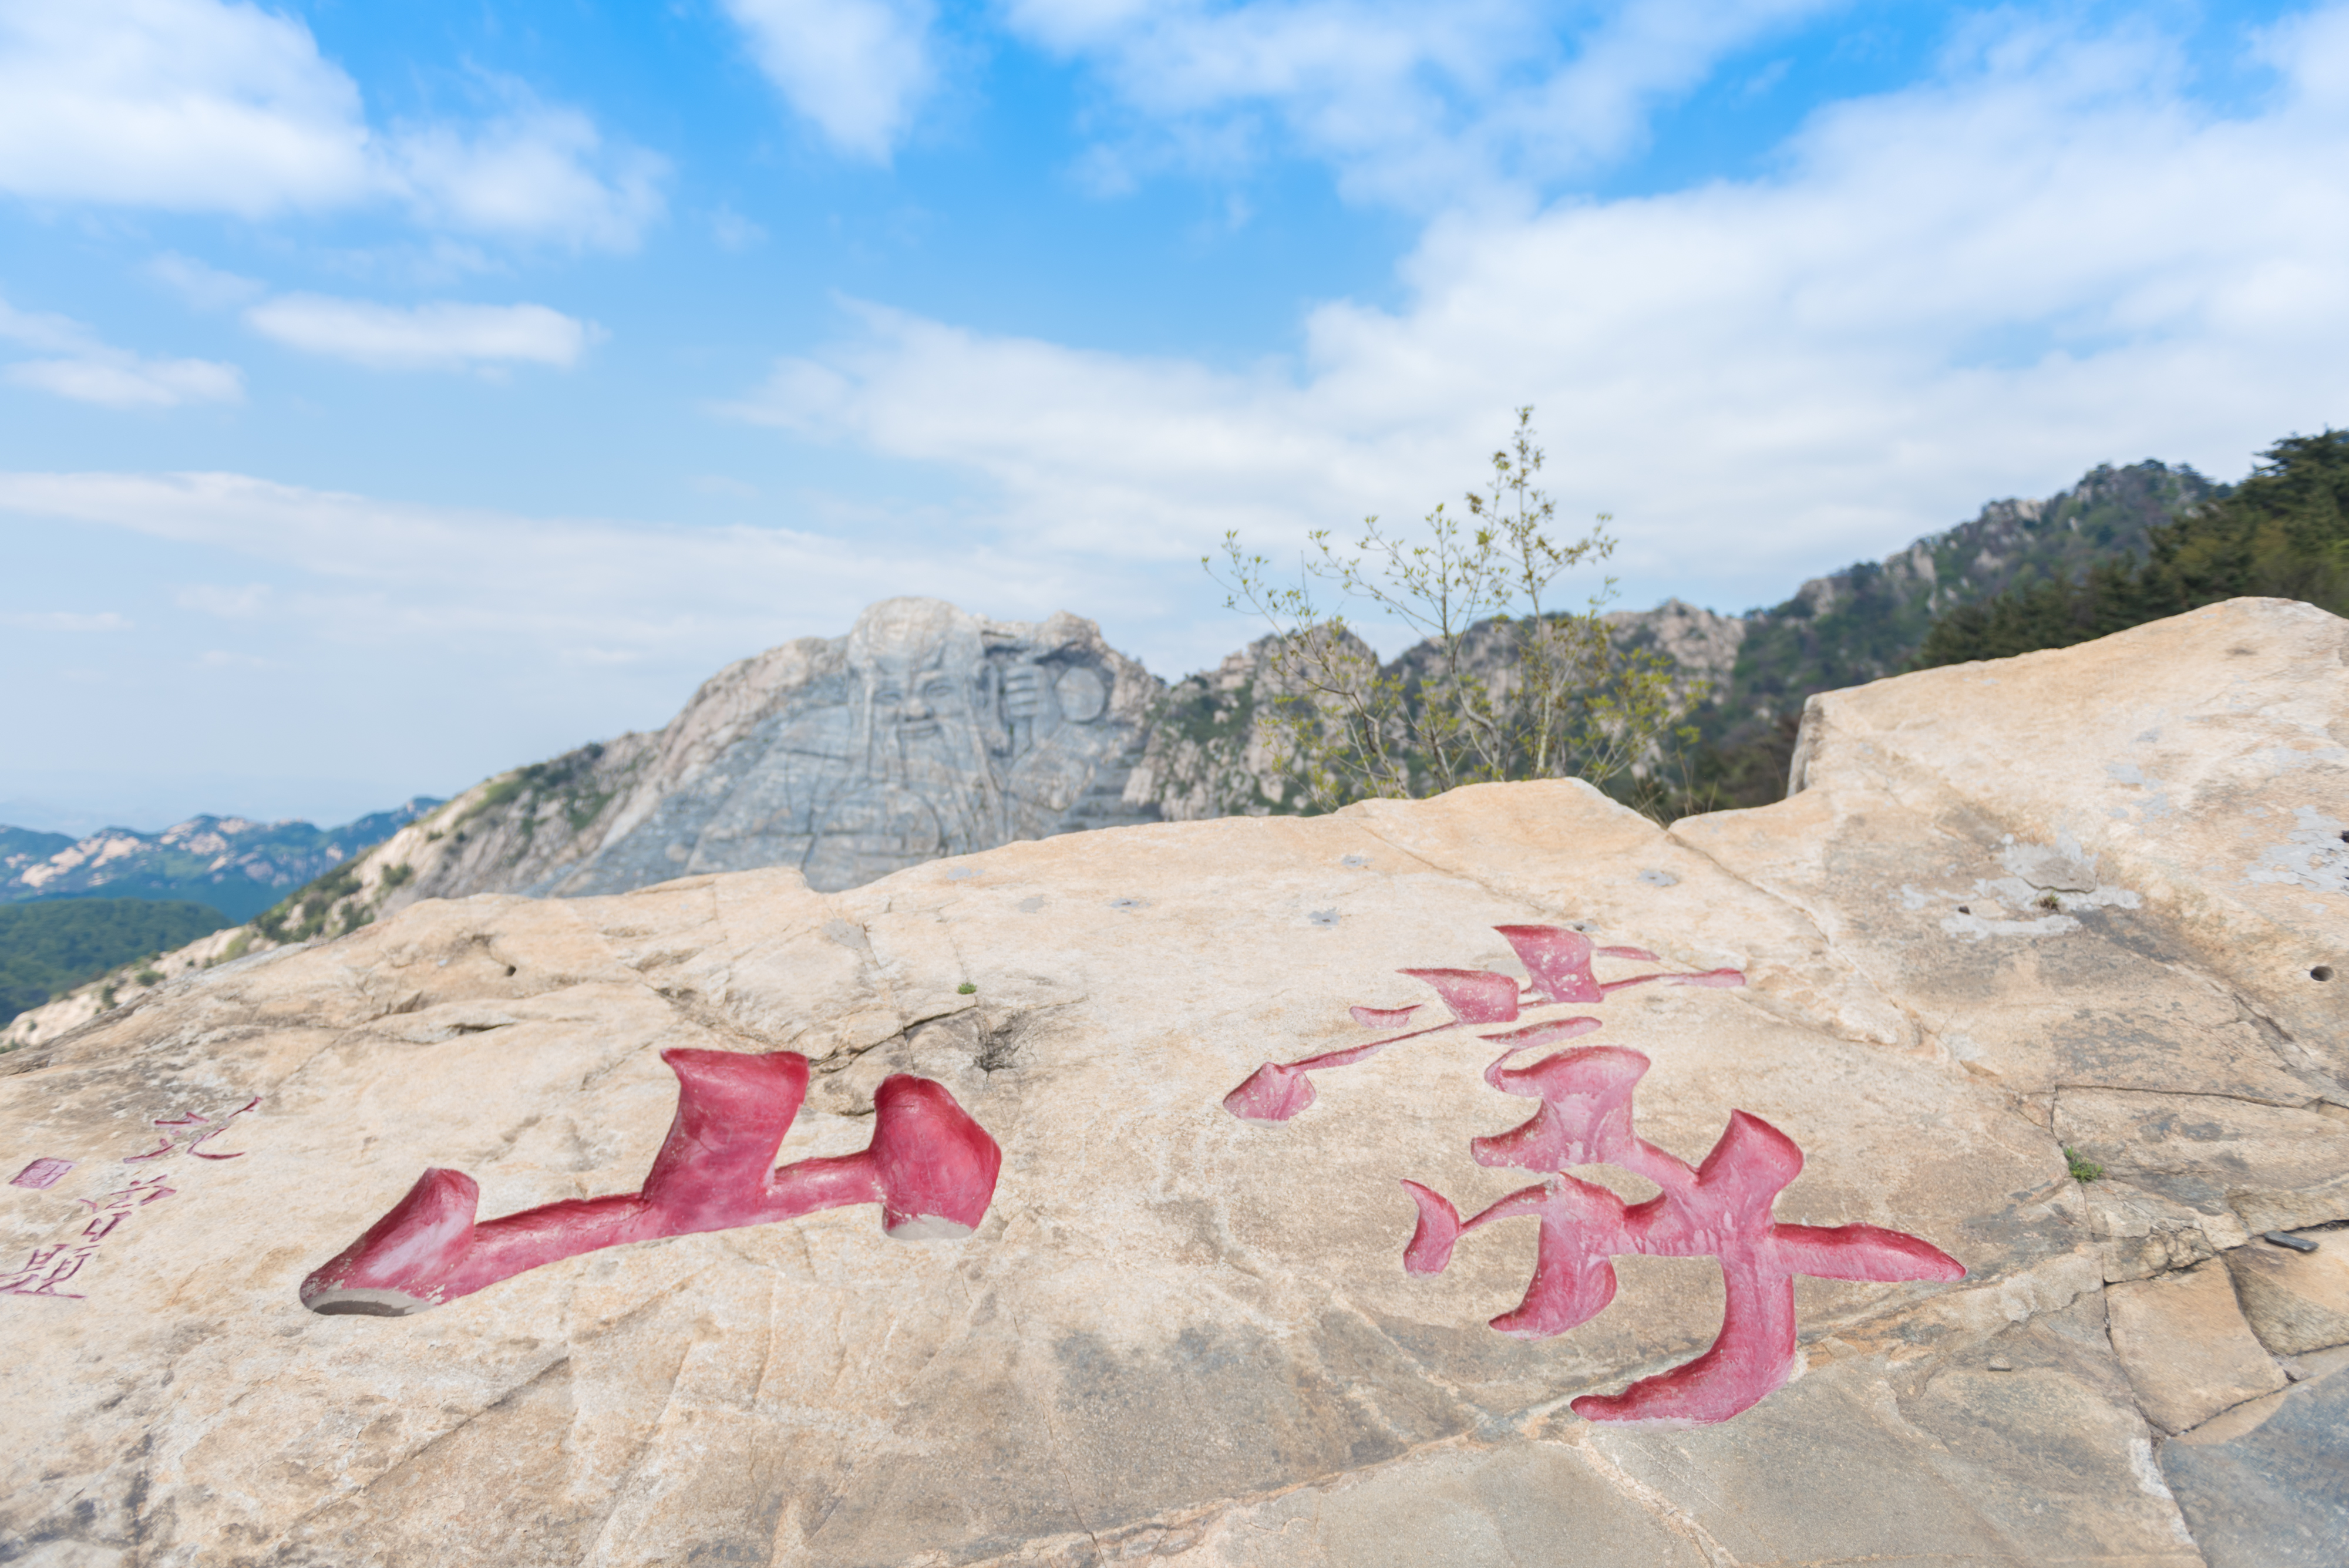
{"points": [[2295, 1301], [2196, 762], [2144, 1233], [2264, 1486], [2188, 1350], [2266, 1209], [2196, 1149]]}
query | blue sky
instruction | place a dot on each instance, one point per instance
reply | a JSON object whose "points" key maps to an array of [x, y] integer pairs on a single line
{"points": [[389, 395]]}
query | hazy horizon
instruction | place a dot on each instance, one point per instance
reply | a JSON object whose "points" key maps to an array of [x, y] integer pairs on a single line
{"points": [[390, 396]]}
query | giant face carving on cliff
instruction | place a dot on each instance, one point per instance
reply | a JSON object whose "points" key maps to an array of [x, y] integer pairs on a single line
{"points": [[925, 732], [922, 684], [964, 734]]}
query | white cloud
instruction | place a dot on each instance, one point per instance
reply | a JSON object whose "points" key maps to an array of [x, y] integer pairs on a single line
{"points": [[63, 620], [2043, 259], [446, 584], [1414, 103], [200, 106], [41, 329], [89, 371], [233, 604], [119, 380], [202, 284], [438, 336], [180, 104], [858, 68], [534, 170]]}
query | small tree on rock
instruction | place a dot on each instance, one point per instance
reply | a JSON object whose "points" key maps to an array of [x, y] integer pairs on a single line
{"points": [[1501, 686]]}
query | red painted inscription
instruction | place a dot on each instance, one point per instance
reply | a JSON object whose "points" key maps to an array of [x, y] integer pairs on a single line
{"points": [[51, 1267], [1720, 1209], [179, 1133], [930, 1168], [41, 1173]]}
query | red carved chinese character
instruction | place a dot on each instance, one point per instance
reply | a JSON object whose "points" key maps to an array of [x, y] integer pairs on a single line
{"points": [[172, 1141], [45, 1272], [137, 1195], [41, 1173], [1558, 958], [930, 1166], [1721, 1209]]}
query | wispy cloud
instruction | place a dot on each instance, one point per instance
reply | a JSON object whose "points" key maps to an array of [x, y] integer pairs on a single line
{"points": [[202, 284], [1983, 280], [858, 70], [233, 604], [438, 336], [63, 620], [1417, 104], [532, 170], [455, 584], [88, 370], [198, 106], [735, 233]]}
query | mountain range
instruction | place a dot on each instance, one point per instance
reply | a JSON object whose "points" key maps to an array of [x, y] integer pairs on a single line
{"points": [[927, 732], [235, 865], [1206, 756]]}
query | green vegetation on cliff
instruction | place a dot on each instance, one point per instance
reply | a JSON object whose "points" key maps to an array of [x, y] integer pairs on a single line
{"points": [[1500, 686], [1870, 619], [50, 947], [2283, 533]]}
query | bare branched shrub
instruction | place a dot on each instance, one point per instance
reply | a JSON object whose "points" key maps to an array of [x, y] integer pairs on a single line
{"points": [[1500, 686]]}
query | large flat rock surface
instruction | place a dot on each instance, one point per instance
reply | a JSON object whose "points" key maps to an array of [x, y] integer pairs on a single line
{"points": [[2079, 898]]}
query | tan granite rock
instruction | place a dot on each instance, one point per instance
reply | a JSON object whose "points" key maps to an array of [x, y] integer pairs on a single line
{"points": [[2265, 1209], [2143, 1233], [2185, 762], [2295, 1301], [2185, 1347], [1174, 1333], [2263, 1484]]}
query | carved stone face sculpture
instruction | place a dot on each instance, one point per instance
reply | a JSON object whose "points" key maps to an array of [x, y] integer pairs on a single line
{"points": [[916, 664], [957, 735], [921, 778]]}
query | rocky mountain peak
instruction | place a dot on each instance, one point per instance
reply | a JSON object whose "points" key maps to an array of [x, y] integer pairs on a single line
{"points": [[923, 731]]}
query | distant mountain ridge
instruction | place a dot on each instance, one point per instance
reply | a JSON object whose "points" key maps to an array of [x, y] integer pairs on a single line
{"points": [[923, 732], [1867, 620], [849, 757], [1207, 755], [235, 865]]}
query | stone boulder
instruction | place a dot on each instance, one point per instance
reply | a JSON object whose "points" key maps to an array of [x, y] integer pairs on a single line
{"points": [[2090, 897]]}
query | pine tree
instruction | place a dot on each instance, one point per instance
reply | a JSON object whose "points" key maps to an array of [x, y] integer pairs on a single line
{"points": [[2283, 533]]}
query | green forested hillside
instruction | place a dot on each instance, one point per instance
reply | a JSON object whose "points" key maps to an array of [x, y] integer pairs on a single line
{"points": [[1844, 628], [24, 846], [1869, 619], [2282, 533], [53, 946]]}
